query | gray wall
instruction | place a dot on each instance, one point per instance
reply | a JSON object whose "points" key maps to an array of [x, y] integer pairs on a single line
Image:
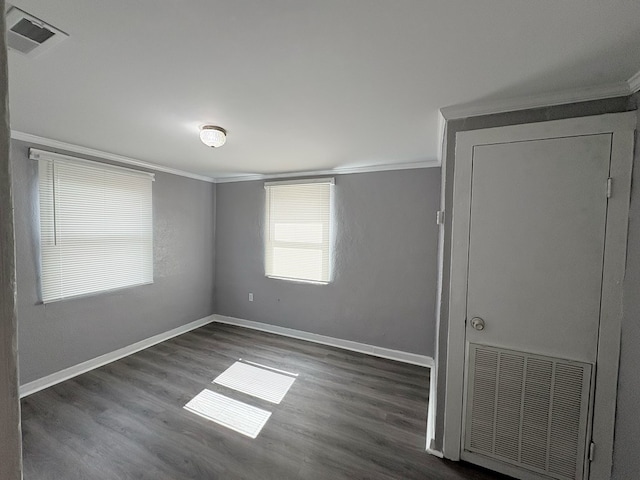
{"points": [[10, 447], [627, 442], [384, 285], [62, 334], [626, 461]]}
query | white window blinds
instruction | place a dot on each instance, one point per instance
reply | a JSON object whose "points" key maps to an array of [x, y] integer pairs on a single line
{"points": [[96, 228], [298, 224]]}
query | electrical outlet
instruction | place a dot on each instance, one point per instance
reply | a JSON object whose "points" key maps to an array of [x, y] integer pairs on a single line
{"points": [[251, 297]]}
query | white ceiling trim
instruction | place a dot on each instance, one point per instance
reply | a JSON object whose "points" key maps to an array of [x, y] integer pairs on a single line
{"points": [[634, 82], [69, 147], [442, 129], [335, 171], [474, 109]]}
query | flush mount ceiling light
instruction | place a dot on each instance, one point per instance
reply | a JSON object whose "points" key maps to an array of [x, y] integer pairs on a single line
{"points": [[213, 136]]}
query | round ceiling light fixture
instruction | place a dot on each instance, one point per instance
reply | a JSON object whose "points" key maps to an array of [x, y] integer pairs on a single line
{"points": [[213, 136]]}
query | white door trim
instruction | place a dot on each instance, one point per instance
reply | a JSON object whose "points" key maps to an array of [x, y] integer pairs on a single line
{"points": [[622, 126]]}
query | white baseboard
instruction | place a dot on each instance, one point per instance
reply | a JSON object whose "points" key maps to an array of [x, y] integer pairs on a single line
{"points": [[435, 453], [67, 373], [406, 357], [431, 411]]}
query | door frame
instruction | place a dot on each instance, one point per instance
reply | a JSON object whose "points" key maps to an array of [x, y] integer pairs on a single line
{"points": [[622, 127]]}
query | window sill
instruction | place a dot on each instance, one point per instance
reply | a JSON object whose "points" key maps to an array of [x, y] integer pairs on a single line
{"points": [[92, 294], [297, 280]]}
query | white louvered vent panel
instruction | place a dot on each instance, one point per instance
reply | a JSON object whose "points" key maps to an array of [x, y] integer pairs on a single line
{"points": [[509, 406], [528, 410], [535, 415], [565, 421], [484, 399]]}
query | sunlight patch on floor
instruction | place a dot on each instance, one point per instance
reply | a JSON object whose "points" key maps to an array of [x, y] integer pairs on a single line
{"points": [[245, 419], [255, 381]]}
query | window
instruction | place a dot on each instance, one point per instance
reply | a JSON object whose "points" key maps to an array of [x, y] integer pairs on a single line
{"points": [[298, 224], [96, 229]]}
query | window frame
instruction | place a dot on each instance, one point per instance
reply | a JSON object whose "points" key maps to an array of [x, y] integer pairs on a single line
{"points": [[49, 233], [328, 236]]}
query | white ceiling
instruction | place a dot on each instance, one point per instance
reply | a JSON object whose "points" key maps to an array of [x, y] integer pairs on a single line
{"points": [[302, 85]]}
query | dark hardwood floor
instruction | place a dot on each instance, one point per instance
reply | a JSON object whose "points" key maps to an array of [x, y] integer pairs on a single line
{"points": [[347, 416]]}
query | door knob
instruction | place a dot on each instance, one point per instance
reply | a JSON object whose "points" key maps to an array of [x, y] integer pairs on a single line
{"points": [[477, 323]]}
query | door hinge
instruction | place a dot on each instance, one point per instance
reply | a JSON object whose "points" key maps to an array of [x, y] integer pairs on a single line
{"points": [[609, 182], [440, 217], [592, 451]]}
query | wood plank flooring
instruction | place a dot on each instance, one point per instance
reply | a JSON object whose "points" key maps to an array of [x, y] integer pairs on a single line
{"points": [[347, 416]]}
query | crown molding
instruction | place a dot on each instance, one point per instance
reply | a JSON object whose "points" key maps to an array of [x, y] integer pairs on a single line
{"points": [[634, 82], [336, 171], [442, 130], [70, 147], [474, 109]]}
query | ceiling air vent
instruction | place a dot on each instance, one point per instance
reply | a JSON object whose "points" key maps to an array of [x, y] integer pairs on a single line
{"points": [[29, 35]]}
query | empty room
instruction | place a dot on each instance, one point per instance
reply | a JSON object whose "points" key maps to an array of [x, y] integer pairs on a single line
{"points": [[303, 239]]}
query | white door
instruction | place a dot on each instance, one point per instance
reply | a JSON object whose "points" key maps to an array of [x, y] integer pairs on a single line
{"points": [[537, 261], [538, 215], [536, 250]]}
